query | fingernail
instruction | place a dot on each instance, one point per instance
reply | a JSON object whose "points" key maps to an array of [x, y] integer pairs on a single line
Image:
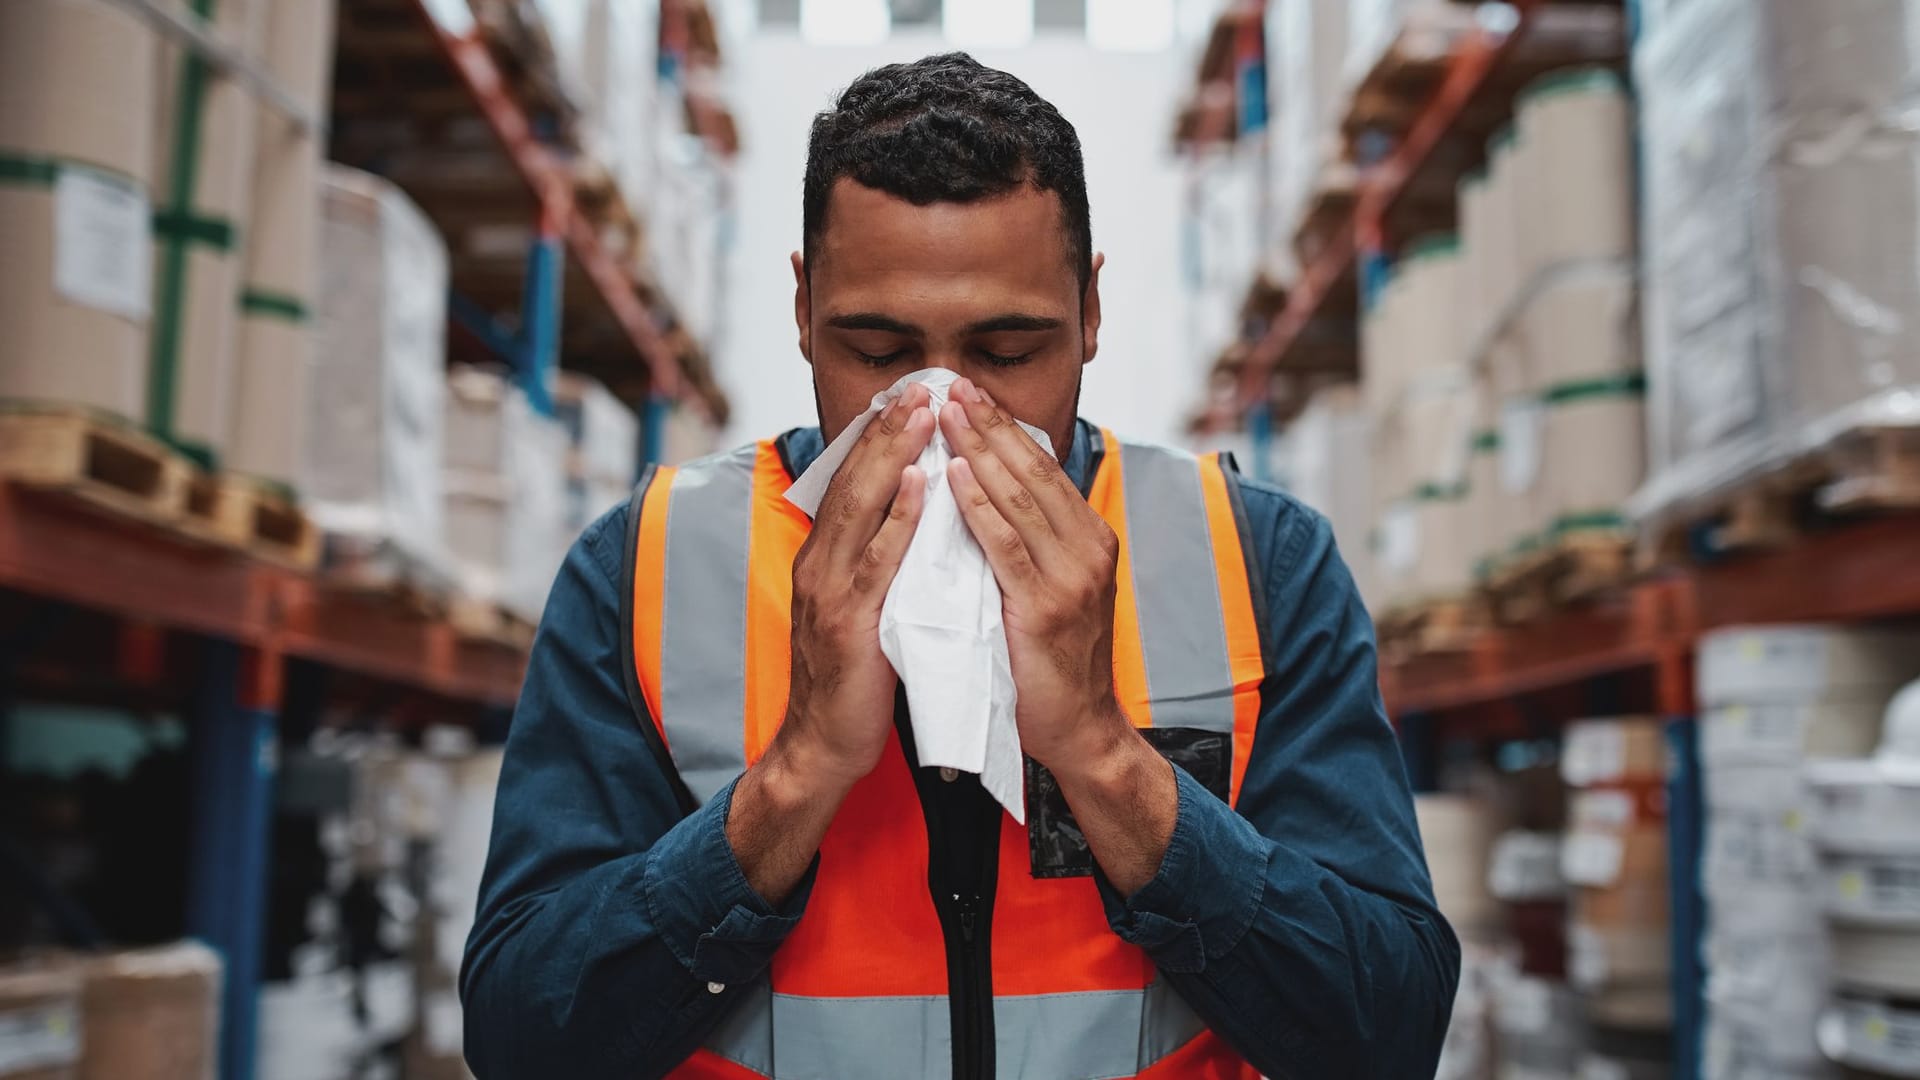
{"points": [[980, 397], [960, 417]]}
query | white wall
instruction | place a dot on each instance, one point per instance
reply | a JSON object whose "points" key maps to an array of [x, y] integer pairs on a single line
{"points": [[1121, 103]]}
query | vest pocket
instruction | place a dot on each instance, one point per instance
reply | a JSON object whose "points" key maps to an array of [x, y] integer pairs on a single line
{"points": [[1056, 848]]}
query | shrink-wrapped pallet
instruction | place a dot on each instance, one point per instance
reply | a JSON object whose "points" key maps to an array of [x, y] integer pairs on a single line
{"points": [[1782, 187], [504, 482], [1332, 472], [603, 450], [40, 1033], [151, 1014], [1575, 193], [371, 472], [76, 165]]}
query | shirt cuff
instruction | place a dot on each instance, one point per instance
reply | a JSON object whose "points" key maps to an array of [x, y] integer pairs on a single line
{"points": [[1207, 891], [710, 918]]}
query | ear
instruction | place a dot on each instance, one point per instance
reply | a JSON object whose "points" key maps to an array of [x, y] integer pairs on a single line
{"points": [[803, 305], [1090, 312]]}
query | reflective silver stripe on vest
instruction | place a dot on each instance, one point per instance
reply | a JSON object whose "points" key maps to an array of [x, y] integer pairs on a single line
{"points": [[1183, 635], [703, 679], [1089, 1036]]}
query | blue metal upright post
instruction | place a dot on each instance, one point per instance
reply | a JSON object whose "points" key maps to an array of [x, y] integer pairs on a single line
{"points": [[1685, 835], [233, 749], [538, 347]]}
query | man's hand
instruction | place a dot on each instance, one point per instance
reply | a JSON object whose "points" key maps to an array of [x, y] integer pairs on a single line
{"points": [[840, 700], [1056, 559]]}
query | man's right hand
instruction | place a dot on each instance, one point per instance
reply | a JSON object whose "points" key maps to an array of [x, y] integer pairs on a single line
{"points": [[841, 691]]}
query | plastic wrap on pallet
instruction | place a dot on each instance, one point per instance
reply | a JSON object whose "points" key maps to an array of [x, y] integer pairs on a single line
{"points": [[371, 476], [1782, 196], [1301, 136], [602, 433]]}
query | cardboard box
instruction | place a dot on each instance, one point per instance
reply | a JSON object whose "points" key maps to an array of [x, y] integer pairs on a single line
{"points": [[152, 1014], [76, 92], [1787, 732], [282, 260], [1607, 751], [1577, 203], [505, 484], [39, 1022], [204, 124]]}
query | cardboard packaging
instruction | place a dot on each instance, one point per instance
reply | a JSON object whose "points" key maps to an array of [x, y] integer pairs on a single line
{"points": [[76, 160], [370, 475], [274, 369], [152, 1014], [505, 486], [40, 1032], [1578, 204], [204, 124], [1804, 663], [1332, 471], [1458, 833], [603, 447]]}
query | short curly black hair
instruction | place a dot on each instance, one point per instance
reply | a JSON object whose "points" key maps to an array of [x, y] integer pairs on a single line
{"points": [[947, 128]]}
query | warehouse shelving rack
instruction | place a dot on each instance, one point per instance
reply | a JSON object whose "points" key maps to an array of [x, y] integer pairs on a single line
{"points": [[241, 647]]}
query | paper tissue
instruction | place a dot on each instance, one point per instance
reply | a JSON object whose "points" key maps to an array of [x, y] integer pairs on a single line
{"points": [[940, 625]]}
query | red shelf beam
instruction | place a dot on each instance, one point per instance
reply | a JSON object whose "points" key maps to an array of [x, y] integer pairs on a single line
{"points": [[1477, 56], [52, 547]]}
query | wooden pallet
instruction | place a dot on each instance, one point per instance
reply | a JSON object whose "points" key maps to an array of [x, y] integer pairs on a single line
{"points": [[1874, 469], [488, 623], [1573, 569], [243, 513], [1445, 624], [94, 460]]}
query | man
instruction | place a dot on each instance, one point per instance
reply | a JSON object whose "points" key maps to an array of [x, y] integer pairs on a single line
{"points": [[715, 854]]}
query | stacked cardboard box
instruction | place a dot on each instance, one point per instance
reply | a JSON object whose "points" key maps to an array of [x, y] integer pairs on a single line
{"points": [[1782, 191], [1773, 698], [204, 128], [77, 82], [605, 52], [1330, 469], [1615, 857], [370, 475], [273, 370], [39, 1022], [603, 451], [504, 469], [1549, 320]]}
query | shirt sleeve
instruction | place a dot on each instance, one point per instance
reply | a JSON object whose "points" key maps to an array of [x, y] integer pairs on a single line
{"points": [[1301, 924], [612, 934]]}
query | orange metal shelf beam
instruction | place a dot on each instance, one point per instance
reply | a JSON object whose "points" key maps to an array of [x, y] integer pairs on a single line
{"points": [[552, 185], [1473, 61], [53, 548]]}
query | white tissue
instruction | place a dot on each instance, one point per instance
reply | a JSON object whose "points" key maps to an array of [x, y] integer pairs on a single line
{"points": [[940, 625]]}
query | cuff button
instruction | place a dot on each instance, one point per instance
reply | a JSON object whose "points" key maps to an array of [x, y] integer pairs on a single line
{"points": [[716, 988]]}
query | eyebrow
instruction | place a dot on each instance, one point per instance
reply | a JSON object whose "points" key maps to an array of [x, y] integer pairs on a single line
{"points": [[1014, 322]]}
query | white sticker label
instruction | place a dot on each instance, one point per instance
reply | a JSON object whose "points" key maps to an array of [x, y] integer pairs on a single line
{"points": [[103, 248], [1400, 537], [1586, 957], [1871, 1035], [1593, 753], [1592, 858], [40, 1037], [1606, 809], [1521, 424]]}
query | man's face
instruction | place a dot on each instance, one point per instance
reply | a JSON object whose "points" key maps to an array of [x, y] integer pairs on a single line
{"points": [[982, 288]]}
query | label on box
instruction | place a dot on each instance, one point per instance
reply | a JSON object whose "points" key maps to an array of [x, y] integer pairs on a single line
{"points": [[1522, 421], [1868, 1034], [1880, 889], [1525, 1007], [1586, 957], [1593, 753], [38, 1037], [1592, 858], [102, 250], [1607, 809]]}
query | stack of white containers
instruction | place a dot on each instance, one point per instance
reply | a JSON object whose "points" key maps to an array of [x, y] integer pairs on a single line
{"points": [[1867, 827], [1772, 699], [505, 492], [371, 476]]}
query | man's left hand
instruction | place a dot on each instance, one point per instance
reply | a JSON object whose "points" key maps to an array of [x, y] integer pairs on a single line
{"points": [[1055, 559]]}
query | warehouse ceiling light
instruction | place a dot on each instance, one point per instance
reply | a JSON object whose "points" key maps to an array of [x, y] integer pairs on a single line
{"points": [[845, 22], [978, 24]]}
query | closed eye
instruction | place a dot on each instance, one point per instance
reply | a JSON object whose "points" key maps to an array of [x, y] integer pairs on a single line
{"points": [[1001, 360], [882, 360]]}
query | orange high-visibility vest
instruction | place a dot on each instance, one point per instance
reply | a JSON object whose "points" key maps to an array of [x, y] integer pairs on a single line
{"points": [[860, 989]]}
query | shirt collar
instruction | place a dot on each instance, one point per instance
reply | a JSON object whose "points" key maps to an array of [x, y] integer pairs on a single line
{"points": [[801, 446]]}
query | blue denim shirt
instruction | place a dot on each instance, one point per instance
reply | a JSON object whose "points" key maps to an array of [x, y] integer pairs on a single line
{"points": [[613, 934]]}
